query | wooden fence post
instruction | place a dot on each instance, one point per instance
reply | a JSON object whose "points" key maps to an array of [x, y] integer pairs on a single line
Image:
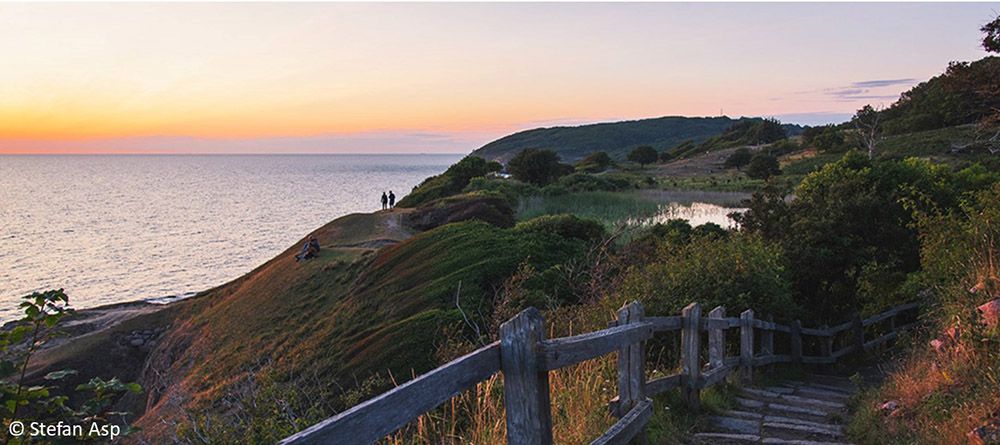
{"points": [[526, 387], [717, 339], [796, 341], [631, 367], [826, 343], [690, 363], [767, 339], [746, 346], [858, 328]]}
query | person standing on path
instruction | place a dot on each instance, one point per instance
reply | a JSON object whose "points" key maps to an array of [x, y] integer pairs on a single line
{"points": [[385, 201], [392, 199]]}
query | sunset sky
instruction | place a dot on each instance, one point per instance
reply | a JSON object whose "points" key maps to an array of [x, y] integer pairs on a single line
{"points": [[443, 77]]}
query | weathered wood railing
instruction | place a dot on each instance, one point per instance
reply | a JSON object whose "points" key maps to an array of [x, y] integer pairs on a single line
{"points": [[525, 357]]}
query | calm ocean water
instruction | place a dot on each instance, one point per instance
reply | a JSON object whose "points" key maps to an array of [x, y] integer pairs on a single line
{"points": [[110, 229]]}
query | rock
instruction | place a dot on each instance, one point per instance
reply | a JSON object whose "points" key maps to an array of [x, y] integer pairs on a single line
{"points": [[990, 313], [136, 342], [889, 408], [987, 434], [947, 340]]}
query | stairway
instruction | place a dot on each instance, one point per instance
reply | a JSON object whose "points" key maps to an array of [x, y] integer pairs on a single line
{"points": [[808, 412]]}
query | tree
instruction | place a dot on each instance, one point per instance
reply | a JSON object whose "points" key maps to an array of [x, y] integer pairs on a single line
{"points": [[739, 158], [829, 139], [763, 166], [867, 122], [594, 163], [850, 218], [451, 182], [470, 167], [643, 155], [538, 167], [767, 131], [991, 41]]}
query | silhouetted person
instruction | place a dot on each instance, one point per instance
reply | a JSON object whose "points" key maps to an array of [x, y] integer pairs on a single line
{"points": [[392, 199], [385, 201]]}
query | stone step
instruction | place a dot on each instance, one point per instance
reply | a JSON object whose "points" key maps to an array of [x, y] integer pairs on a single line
{"points": [[809, 401], [750, 403], [799, 431], [780, 389], [780, 408], [763, 396], [743, 414], [824, 394], [777, 441], [830, 380], [781, 419], [760, 393], [726, 438], [736, 425], [844, 390]]}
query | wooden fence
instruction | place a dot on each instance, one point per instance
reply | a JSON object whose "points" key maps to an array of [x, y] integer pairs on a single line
{"points": [[525, 357]]}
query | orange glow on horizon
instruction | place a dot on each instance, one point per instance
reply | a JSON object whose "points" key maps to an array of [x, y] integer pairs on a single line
{"points": [[94, 72]]}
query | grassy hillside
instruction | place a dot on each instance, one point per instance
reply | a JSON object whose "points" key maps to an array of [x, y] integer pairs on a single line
{"points": [[369, 310], [615, 138]]}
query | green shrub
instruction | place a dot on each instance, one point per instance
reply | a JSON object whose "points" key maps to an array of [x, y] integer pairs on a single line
{"points": [[40, 400], [739, 158], [595, 163], [643, 155], [451, 182], [850, 227], [565, 226], [580, 182], [537, 167], [509, 189], [763, 166], [739, 272]]}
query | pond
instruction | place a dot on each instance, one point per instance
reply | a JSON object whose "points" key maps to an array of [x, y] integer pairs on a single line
{"points": [[697, 207], [638, 208]]}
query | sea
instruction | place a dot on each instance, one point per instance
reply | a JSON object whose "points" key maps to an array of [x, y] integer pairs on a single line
{"points": [[117, 228]]}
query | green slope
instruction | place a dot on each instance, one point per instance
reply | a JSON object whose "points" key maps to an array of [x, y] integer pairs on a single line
{"points": [[615, 138]]}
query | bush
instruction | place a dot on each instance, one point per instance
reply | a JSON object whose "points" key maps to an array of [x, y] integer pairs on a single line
{"points": [[739, 158], [643, 155], [565, 226], [37, 399], [579, 182], [739, 272], [537, 167], [941, 396], [763, 166], [783, 147], [451, 182], [849, 226], [595, 163], [489, 209], [510, 190]]}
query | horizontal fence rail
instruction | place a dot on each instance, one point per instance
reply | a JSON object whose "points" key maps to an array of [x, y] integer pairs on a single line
{"points": [[525, 357]]}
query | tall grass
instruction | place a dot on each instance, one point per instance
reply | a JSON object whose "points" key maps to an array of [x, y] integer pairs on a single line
{"points": [[609, 208], [579, 398], [943, 394], [579, 395]]}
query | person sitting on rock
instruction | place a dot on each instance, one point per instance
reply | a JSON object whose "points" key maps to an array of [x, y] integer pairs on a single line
{"points": [[309, 250]]}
